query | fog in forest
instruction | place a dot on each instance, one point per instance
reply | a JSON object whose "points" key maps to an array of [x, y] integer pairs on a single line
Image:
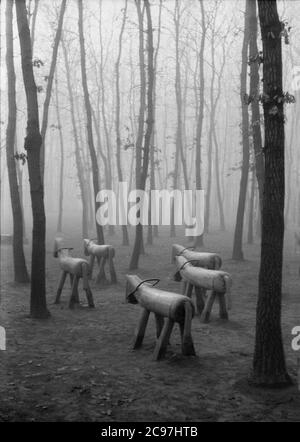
{"points": [[177, 31]]}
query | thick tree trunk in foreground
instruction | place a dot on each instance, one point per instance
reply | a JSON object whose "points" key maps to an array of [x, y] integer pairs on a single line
{"points": [[50, 83], [20, 270], [95, 168], [238, 254], [33, 141], [269, 366]]}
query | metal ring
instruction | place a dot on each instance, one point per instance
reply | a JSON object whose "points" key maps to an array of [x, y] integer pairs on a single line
{"points": [[143, 282]]}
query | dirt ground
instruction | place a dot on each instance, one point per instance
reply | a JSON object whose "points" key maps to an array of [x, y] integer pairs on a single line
{"points": [[79, 365]]}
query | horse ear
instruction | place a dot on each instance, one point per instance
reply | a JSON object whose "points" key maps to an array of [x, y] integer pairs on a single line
{"points": [[177, 277], [130, 298]]}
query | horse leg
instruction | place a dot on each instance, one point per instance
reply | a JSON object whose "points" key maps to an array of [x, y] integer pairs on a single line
{"points": [[159, 320], [112, 271], [86, 286], [188, 290], [60, 286], [101, 278], [187, 345], [74, 294], [141, 328], [163, 340], [222, 306], [91, 266], [199, 292], [208, 307]]}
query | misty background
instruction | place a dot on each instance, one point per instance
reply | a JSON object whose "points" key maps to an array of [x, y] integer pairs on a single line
{"points": [[177, 36]]}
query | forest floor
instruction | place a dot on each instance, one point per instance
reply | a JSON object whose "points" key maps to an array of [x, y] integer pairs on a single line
{"points": [[79, 365]]}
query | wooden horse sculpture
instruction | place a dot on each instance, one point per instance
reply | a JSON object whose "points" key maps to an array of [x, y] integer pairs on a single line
{"points": [[102, 253], [204, 279], [172, 306], [207, 260], [76, 268]]}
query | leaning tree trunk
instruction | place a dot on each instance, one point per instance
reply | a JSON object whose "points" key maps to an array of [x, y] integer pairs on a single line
{"points": [[269, 366], [50, 79], [237, 253], [20, 270], [95, 168], [33, 142]]}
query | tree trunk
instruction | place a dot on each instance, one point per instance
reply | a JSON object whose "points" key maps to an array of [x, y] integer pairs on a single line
{"points": [[61, 171], [218, 183], [33, 142], [153, 231], [199, 239], [33, 25], [269, 366], [251, 210], [111, 228], [50, 82], [254, 93], [20, 176], [93, 156], [139, 241], [78, 160], [86, 169], [147, 140], [238, 254], [210, 134], [178, 93], [125, 240], [20, 270]]}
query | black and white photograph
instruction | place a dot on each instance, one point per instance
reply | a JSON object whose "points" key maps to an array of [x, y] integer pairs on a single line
{"points": [[149, 214]]}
